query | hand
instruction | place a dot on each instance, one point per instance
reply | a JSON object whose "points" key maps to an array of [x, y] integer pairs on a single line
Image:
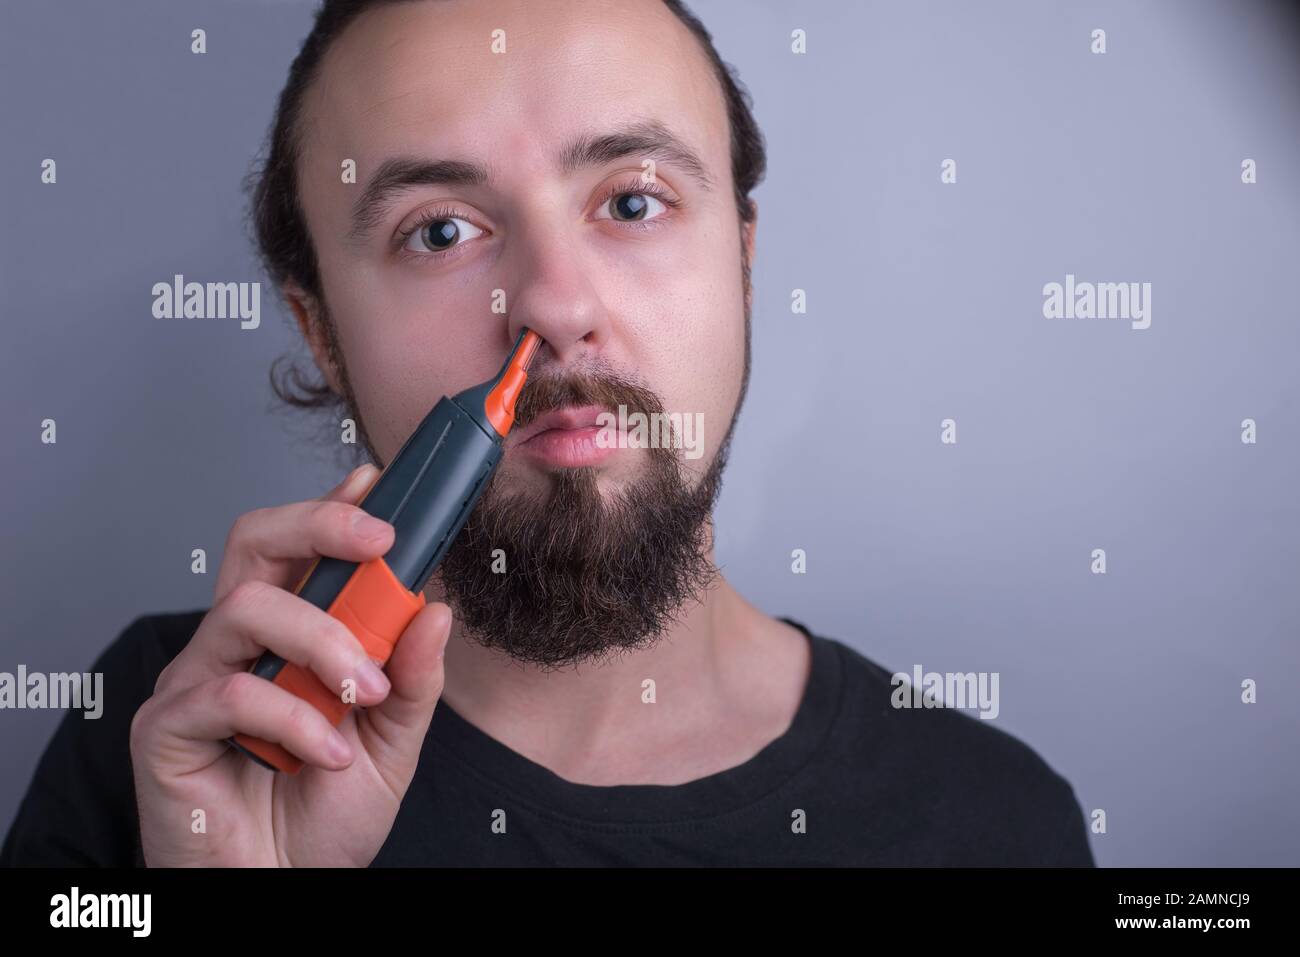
{"points": [[339, 809]]}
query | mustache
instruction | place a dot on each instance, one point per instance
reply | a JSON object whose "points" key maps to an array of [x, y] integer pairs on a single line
{"points": [[547, 393]]}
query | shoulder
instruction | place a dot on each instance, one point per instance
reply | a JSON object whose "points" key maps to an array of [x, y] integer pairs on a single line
{"points": [[133, 660], [156, 638], [79, 809], [977, 793]]}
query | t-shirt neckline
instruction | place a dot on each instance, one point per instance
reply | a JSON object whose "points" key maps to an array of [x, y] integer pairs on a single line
{"points": [[723, 792]]}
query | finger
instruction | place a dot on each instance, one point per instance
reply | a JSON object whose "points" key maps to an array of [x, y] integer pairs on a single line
{"points": [[310, 530], [188, 731], [270, 544], [393, 731], [257, 617], [353, 488]]}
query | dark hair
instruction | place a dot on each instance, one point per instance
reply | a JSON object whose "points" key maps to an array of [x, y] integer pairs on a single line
{"points": [[280, 228]]}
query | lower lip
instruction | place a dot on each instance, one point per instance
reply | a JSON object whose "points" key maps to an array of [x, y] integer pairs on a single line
{"points": [[566, 448]]}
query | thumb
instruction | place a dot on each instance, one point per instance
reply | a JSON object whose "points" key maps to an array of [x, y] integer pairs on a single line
{"points": [[392, 732]]}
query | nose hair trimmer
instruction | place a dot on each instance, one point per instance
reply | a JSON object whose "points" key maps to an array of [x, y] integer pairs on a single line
{"points": [[426, 493]]}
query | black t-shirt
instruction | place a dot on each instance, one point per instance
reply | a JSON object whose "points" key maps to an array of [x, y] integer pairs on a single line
{"points": [[852, 781]]}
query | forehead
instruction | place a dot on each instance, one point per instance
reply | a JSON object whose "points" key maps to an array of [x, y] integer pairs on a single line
{"points": [[423, 78]]}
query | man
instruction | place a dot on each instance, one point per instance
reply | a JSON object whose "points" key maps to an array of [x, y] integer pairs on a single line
{"points": [[584, 686]]}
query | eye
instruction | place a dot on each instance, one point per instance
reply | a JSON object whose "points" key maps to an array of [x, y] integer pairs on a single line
{"points": [[439, 232], [635, 202], [630, 207]]}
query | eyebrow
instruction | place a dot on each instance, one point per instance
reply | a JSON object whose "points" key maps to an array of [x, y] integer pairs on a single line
{"points": [[649, 140]]}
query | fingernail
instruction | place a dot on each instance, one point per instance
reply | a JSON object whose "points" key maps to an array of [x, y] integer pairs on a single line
{"points": [[369, 527], [372, 680]]}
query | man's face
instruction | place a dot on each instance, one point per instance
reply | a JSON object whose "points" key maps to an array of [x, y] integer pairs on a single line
{"points": [[637, 294]]}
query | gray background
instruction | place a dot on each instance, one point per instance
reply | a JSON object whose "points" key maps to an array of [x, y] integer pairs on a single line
{"points": [[924, 303]]}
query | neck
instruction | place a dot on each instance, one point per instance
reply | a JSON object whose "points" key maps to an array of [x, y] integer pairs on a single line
{"points": [[727, 679]]}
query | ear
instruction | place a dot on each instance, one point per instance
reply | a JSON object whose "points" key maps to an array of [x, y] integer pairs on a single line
{"points": [[311, 323]]}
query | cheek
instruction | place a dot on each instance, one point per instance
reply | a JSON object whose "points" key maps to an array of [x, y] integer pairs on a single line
{"points": [[680, 306], [395, 334]]}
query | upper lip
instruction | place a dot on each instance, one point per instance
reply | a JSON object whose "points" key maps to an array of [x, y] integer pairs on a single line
{"points": [[572, 417]]}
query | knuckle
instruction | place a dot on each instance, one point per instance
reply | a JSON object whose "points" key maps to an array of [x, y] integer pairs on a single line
{"points": [[300, 719], [243, 525], [333, 518], [141, 720], [163, 676], [233, 690], [247, 596]]}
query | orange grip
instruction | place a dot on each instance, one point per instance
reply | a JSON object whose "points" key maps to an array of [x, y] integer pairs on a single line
{"points": [[377, 608]]}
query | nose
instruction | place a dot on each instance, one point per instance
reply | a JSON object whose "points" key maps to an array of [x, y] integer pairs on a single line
{"points": [[553, 295]]}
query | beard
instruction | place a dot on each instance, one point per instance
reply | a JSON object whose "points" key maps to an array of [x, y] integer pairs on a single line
{"points": [[585, 577]]}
